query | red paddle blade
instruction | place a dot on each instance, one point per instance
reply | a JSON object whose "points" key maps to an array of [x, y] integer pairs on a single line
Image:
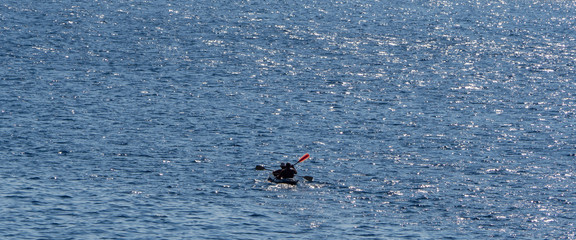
{"points": [[306, 156]]}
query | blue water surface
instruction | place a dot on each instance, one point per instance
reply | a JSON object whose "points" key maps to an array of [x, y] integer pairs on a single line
{"points": [[424, 119]]}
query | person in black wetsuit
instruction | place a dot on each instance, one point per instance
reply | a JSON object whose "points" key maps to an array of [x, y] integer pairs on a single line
{"points": [[277, 172], [287, 172]]}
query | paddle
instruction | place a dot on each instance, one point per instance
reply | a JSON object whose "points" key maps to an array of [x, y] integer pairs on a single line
{"points": [[303, 158], [309, 178]]}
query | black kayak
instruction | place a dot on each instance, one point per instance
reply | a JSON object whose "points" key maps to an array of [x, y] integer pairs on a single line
{"points": [[290, 181]]}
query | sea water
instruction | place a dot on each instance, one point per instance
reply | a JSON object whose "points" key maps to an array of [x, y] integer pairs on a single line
{"points": [[424, 119]]}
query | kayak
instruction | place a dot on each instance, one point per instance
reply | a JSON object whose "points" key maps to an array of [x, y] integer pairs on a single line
{"points": [[290, 181]]}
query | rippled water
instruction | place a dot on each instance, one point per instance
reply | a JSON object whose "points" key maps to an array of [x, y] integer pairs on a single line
{"points": [[424, 119]]}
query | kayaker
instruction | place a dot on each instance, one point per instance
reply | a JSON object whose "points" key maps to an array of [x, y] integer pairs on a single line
{"points": [[288, 172], [277, 172]]}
